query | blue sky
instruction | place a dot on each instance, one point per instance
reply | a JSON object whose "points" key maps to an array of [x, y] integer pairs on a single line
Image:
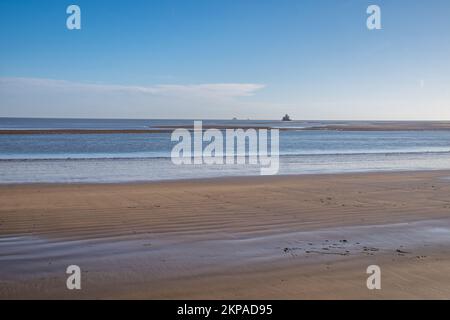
{"points": [[255, 59]]}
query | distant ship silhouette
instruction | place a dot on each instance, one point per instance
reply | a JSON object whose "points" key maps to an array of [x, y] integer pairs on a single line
{"points": [[286, 118]]}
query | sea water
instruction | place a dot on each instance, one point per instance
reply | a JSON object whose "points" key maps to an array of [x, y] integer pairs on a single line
{"points": [[103, 158]]}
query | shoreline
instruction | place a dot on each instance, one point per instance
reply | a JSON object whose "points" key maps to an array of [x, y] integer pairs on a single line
{"points": [[362, 126], [247, 237], [219, 179]]}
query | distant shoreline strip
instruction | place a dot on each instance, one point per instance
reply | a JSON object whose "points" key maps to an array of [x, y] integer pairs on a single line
{"points": [[378, 127]]}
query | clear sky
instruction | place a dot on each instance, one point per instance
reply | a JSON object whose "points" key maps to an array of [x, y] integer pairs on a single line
{"points": [[258, 59]]}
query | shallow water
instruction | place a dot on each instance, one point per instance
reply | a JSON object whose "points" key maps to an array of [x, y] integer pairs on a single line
{"points": [[96, 158], [167, 256]]}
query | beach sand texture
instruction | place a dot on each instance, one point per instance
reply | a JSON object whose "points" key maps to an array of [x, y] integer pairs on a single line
{"points": [[285, 237]]}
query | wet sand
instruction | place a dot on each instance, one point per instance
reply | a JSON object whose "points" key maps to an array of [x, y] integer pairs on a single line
{"points": [[292, 237], [386, 126], [82, 131]]}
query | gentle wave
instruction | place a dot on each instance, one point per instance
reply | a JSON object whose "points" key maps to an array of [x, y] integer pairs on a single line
{"points": [[162, 157]]}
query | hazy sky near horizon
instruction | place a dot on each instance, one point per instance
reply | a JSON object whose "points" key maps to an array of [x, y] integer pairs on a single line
{"points": [[258, 59]]}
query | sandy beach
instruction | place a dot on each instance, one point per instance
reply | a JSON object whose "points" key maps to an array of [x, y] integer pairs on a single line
{"points": [[292, 237]]}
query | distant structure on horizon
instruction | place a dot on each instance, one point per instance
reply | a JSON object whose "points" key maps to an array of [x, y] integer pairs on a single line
{"points": [[286, 118]]}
